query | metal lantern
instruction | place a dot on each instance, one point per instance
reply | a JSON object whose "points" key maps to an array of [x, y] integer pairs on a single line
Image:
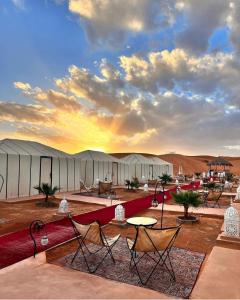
{"points": [[178, 189], [63, 206], [145, 187], [238, 193], [38, 226], [44, 240], [120, 213], [154, 202], [232, 222]]}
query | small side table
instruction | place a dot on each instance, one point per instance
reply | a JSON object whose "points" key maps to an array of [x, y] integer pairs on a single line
{"points": [[142, 221]]}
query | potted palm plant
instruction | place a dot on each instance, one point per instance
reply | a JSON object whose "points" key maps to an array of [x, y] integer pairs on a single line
{"points": [[187, 199], [132, 185], [49, 191], [165, 178]]}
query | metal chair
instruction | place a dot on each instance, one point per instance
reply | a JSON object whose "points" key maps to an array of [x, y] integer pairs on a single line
{"points": [[157, 241], [204, 198], [216, 197], [92, 233]]}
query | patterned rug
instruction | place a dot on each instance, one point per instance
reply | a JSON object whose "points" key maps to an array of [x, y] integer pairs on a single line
{"points": [[186, 265]]}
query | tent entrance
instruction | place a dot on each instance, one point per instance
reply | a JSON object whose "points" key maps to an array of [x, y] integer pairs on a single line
{"points": [[151, 172], [115, 173], [45, 170]]}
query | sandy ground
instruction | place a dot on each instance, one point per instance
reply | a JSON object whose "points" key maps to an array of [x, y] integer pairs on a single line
{"points": [[19, 215]]}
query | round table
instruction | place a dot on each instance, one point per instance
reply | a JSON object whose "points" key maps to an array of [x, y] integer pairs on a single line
{"points": [[141, 221]]}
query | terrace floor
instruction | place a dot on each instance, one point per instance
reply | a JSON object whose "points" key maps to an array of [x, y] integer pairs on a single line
{"points": [[48, 280]]}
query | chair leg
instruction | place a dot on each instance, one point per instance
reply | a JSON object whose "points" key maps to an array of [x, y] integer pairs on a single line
{"points": [[171, 272], [143, 282], [75, 255], [99, 264]]}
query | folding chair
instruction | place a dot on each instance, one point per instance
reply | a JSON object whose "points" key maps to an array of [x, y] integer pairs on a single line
{"points": [[204, 198], [216, 197], [157, 241], [92, 233], [89, 189]]}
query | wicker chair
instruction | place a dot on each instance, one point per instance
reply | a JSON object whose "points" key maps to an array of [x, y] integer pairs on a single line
{"points": [[92, 233], [156, 241]]}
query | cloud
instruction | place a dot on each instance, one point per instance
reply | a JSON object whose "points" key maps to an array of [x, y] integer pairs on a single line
{"points": [[207, 74], [202, 19], [102, 92], [20, 4], [10, 111], [234, 24], [54, 98], [110, 21], [157, 102], [22, 86]]}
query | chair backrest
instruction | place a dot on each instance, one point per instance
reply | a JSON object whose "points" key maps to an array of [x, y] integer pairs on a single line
{"points": [[91, 232], [150, 240], [82, 185], [216, 194], [104, 187]]}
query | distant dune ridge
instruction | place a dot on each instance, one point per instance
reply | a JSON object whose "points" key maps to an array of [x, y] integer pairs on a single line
{"points": [[190, 164]]}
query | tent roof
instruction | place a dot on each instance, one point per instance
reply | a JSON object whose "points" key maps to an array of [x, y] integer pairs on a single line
{"points": [[14, 146], [158, 160], [138, 159], [95, 155], [219, 161]]}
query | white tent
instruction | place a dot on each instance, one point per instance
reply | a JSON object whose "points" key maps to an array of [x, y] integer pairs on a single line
{"points": [[162, 166], [99, 165], [25, 164], [149, 167]]}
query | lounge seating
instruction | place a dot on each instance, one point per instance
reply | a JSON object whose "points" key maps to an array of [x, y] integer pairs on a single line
{"points": [[152, 182], [156, 241], [92, 233], [228, 186], [204, 198], [215, 197], [87, 189], [105, 188]]}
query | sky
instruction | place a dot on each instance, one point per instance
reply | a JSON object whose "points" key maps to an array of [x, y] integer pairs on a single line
{"points": [[153, 76]]}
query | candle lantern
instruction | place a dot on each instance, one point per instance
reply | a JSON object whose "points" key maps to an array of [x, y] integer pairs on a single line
{"points": [[120, 213], [232, 222]]}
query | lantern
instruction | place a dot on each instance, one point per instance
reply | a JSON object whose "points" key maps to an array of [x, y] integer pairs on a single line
{"points": [[232, 222], [119, 213], [238, 193], [145, 187], [63, 206]]}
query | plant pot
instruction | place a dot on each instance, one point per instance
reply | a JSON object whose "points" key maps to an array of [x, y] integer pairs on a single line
{"points": [[190, 219]]}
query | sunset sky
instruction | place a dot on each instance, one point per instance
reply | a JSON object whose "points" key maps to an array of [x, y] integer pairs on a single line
{"points": [[122, 75]]}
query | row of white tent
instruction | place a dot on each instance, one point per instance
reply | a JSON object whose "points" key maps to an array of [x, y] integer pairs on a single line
{"points": [[25, 164]]}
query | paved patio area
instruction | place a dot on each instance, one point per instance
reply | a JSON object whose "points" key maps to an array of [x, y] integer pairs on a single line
{"points": [[219, 278], [31, 279]]}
